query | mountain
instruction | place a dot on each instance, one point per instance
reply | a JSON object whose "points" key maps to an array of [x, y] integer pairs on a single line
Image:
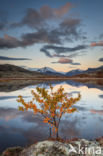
{"points": [[47, 71], [91, 73], [74, 72], [89, 70], [12, 71]]}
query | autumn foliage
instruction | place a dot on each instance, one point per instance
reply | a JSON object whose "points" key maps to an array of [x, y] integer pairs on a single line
{"points": [[53, 105]]}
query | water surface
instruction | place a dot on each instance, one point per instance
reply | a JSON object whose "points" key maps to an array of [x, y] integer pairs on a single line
{"points": [[23, 128]]}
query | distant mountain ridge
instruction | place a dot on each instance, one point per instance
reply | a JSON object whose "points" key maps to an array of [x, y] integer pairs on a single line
{"points": [[90, 73], [50, 71], [13, 71], [78, 71]]}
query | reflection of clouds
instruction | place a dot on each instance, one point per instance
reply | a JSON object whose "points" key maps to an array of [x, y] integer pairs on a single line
{"points": [[68, 128], [100, 112], [75, 92], [32, 128], [80, 108], [25, 128], [8, 114], [11, 97], [101, 96]]}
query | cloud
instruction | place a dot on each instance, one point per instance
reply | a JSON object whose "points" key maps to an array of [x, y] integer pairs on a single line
{"points": [[59, 50], [11, 97], [101, 36], [101, 60], [9, 42], [66, 61], [13, 59], [94, 44], [2, 26], [75, 63], [27, 40], [62, 55], [41, 36], [101, 96], [62, 10], [37, 18], [100, 112], [41, 21], [32, 19]]}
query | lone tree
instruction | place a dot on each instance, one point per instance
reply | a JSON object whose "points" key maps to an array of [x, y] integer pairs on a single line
{"points": [[53, 105]]}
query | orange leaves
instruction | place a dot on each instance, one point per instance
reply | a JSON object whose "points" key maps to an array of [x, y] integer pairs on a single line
{"points": [[52, 105], [21, 108], [46, 120]]}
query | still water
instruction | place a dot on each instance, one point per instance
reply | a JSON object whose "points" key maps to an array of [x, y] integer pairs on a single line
{"points": [[23, 128]]}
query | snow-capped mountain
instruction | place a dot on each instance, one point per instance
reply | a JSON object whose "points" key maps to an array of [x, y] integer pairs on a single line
{"points": [[46, 70]]}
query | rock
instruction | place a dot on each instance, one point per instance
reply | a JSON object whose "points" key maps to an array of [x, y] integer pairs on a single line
{"points": [[13, 151], [100, 140], [55, 148], [78, 147]]}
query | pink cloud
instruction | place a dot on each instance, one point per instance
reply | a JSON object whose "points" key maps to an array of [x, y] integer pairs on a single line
{"points": [[94, 44], [100, 112], [63, 10], [64, 60]]}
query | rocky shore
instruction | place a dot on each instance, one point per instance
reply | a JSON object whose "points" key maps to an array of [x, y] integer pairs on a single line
{"points": [[78, 147]]}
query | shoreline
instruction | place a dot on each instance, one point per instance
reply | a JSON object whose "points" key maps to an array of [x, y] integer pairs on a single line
{"points": [[33, 78], [58, 147]]}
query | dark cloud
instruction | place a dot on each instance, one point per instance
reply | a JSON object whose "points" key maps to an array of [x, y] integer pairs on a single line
{"points": [[75, 63], [37, 18], [9, 42], [32, 19], [2, 26], [70, 27], [66, 29], [62, 55], [101, 36], [101, 96], [66, 61], [59, 50], [28, 39], [42, 36], [13, 59], [101, 60]]}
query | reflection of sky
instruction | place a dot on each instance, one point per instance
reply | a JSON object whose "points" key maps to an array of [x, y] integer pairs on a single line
{"points": [[24, 128]]}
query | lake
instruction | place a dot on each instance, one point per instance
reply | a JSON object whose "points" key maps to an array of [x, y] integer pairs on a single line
{"points": [[24, 128]]}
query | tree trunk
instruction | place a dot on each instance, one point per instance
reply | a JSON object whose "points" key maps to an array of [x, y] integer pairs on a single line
{"points": [[50, 132], [57, 135]]}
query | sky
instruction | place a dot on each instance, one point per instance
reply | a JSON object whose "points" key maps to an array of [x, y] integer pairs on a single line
{"points": [[61, 34]]}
